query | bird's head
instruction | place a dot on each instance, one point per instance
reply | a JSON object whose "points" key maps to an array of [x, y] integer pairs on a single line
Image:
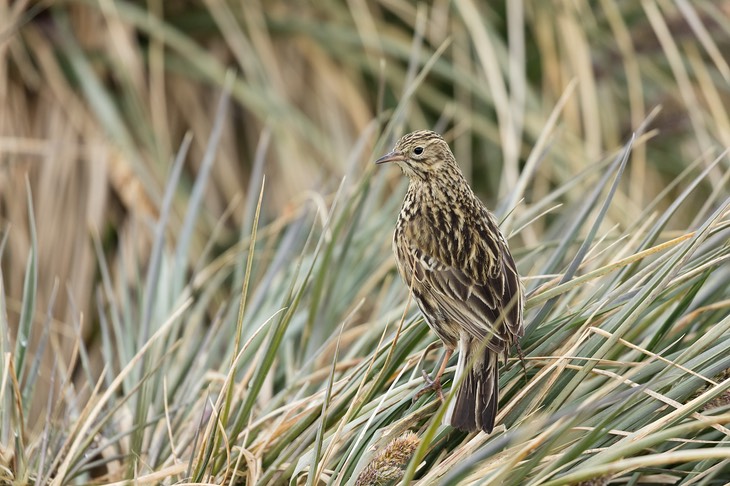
{"points": [[423, 156]]}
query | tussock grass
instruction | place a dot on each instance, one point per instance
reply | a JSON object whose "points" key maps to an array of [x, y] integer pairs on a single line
{"points": [[197, 284]]}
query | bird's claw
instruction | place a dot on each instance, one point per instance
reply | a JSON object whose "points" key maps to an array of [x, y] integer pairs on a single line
{"points": [[431, 385], [522, 360]]}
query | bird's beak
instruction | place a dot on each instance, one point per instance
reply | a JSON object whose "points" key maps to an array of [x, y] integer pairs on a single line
{"points": [[393, 156]]}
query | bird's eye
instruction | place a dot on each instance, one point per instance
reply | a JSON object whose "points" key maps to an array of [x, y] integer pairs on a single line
{"points": [[418, 150]]}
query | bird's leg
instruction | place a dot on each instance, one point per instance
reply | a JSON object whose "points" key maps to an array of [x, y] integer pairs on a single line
{"points": [[522, 359], [435, 383], [428, 349]]}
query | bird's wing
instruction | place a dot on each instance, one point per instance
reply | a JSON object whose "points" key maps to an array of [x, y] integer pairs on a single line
{"points": [[475, 285]]}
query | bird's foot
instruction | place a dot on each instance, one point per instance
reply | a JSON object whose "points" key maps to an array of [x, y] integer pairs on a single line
{"points": [[430, 386], [521, 354]]}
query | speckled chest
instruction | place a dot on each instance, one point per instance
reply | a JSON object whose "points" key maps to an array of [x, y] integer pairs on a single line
{"points": [[439, 222]]}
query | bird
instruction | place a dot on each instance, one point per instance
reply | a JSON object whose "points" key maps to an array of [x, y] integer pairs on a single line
{"points": [[450, 252]]}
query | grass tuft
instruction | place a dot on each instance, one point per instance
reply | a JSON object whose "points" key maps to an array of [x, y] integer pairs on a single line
{"points": [[389, 463]]}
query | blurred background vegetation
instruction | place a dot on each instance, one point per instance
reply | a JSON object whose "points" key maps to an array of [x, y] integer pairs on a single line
{"points": [[97, 96]]}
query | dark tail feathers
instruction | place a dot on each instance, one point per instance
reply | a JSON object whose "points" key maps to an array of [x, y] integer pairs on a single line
{"points": [[475, 405]]}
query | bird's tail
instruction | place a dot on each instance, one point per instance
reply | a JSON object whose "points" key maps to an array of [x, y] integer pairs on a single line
{"points": [[475, 404]]}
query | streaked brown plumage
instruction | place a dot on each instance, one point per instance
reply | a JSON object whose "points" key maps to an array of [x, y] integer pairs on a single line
{"points": [[452, 255]]}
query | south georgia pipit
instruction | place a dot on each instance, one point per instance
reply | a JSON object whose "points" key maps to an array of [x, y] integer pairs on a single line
{"points": [[452, 255]]}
